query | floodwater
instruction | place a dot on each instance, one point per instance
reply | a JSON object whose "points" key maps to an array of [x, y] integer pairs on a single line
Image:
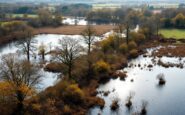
{"points": [[75, 21], [52, 43], [162, 100]]}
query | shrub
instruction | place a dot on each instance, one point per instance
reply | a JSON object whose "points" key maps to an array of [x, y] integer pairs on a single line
{"points": [[120, 74], [161, 79], [101, 67], [132, 45], [143, 107], [133, 53], [53, 67], [123, 48], [95, 101], [114, 106], [107, 44], [67, 110], [129, 100], [140, 38], [74, 94], [36, 107]]}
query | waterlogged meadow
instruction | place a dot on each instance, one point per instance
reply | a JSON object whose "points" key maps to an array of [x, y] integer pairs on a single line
{"points": [[52, 43], [143, 85]]}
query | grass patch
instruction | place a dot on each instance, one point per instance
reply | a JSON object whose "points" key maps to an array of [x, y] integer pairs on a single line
{"points": [[22, 15], [173, 33]]}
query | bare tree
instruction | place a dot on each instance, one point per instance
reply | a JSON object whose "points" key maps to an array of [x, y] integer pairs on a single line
{"points": [[27, 43], [21, 75], [118, 35], [42, 50], [89, 38], [69, 51], [120, 28], [127, 31]]}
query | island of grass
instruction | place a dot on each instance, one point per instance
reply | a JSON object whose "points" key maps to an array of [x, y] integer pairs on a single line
{"points": [[173, 33]]}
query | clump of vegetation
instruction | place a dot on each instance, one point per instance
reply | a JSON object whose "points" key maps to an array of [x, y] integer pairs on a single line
{"points": [[20, 78], [120, 74], [143, 107], [132, 45], [123, 48], [106, 93], [129, 100], [115, 105], [42, 50], [161, 79], [74, 94], [107, 44], [102, 67], [54, 67], [133, 53], [67, 110], [138, 37]]}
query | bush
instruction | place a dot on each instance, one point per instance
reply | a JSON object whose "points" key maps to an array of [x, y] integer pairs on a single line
{"points": [[54, 67], [95, 101], [67, 110], [129, 100], [140, 38], [123, 48], [114, 106], [74, 94], [143, 107], [101, 67], [107, 44], [133, 53], [132, 45], [161, 79]]}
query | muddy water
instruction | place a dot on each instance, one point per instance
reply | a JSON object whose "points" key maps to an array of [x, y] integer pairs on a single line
{"points": [[162, 100]]}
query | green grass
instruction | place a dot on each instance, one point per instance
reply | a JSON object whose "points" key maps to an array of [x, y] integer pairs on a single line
{"points": [[22, 15], [173, 33]]}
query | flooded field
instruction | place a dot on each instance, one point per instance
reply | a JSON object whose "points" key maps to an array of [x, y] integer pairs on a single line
{"points": [[143, 84], [52, 43]]}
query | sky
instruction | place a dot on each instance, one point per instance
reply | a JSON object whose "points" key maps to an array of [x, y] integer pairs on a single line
{"points": [[81, 1]]}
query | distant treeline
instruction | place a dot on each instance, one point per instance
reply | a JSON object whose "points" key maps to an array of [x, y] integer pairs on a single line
{"points": [[173, 18], [69, 10], [168, 18]]}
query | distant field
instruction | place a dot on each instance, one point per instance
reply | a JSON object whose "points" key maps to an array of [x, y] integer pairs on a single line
{"points": [[109, 6], [173, 33], [22, 15], [73, 30]]}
